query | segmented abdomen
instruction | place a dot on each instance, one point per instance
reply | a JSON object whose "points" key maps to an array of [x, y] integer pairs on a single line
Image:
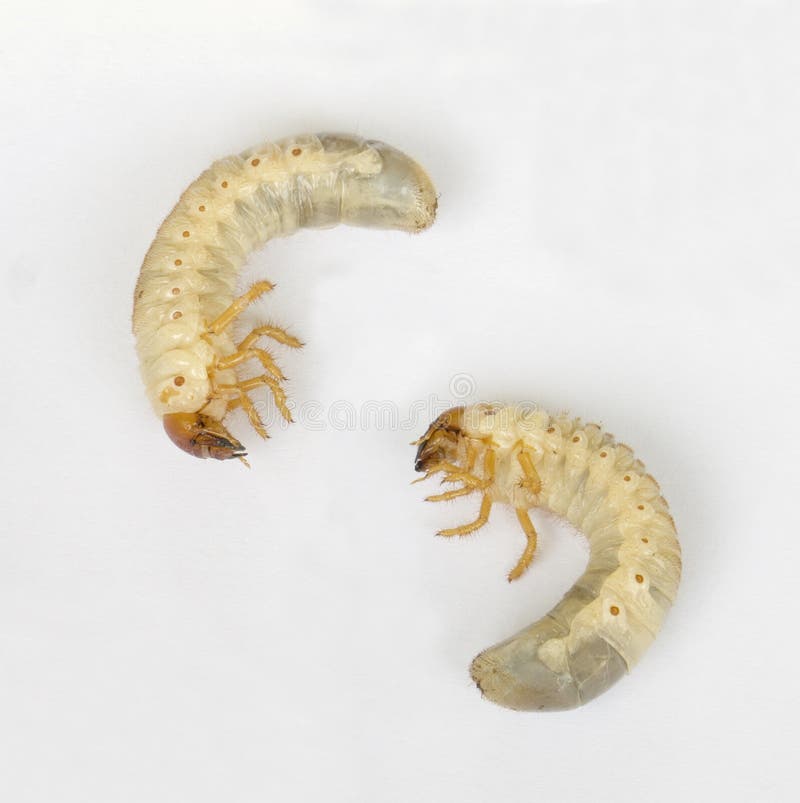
{"points": [[613, 612]]}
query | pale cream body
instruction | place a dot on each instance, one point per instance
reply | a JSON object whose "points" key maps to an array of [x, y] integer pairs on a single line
{"points": [[611, 615], [190, 273]]}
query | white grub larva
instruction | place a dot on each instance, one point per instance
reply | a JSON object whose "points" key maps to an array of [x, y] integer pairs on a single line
{"points": [[527, 458], [184, 302]]}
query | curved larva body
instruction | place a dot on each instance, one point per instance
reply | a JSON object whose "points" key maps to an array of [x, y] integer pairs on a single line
{"points": [[184, 299], [606, 621]]}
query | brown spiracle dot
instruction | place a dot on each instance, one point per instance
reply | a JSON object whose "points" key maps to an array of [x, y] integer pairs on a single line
{"points": [[179, 380], [177, 314], [176, 291], [627, 478], [639, 578], [640, 507], [296, 151], [202, 207], [179, 262], [645, 540], [603, 454], [255, 162], [614, 610], [224, 184], [186, 234], [551, 429], [576, 439]]}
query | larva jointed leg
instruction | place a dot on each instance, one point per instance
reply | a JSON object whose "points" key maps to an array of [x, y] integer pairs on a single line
{"points": [[204, 436], [444, 445], [184, 305], [528, 458]]}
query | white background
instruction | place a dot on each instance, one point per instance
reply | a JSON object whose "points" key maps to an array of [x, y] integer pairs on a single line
{"points": [[618, 237]]}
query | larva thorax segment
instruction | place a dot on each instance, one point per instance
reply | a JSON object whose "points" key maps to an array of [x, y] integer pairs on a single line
{"points": [[458, 441]]}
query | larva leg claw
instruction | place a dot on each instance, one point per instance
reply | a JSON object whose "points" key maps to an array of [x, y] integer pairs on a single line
{"points": [[472, 454], [466, 529], [239, 306], [252, 414], [530, 547], [275, 332], [532, 480], [241, 389], [468, 479], [242, 355], [277, 393], [443, 497], [434, 468]]}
